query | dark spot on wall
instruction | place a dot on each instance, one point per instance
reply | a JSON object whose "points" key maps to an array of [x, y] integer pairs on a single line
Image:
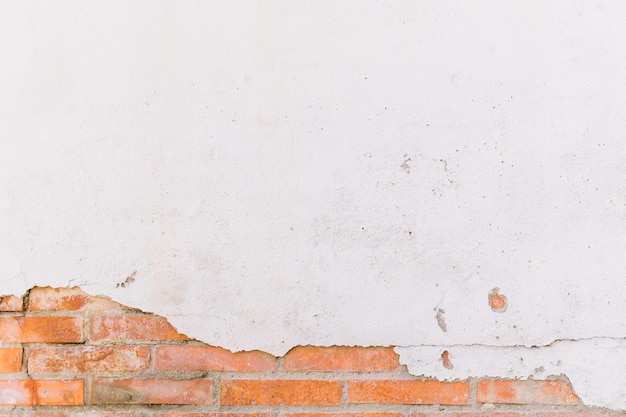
{"points": [[441, 321], [129, 280]]}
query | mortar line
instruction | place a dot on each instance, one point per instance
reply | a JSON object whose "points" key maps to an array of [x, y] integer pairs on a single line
{"points": [[152, 358], [472, 393]]}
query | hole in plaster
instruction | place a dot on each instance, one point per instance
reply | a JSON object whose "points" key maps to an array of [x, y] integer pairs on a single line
{"points": [[497, 301], [445, 358]]}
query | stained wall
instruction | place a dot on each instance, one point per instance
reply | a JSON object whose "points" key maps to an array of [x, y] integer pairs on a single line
{"points": [[268, 174]]}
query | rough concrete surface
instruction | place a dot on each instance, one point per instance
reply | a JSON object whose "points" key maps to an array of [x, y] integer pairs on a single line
{"points": [[268, 173]]}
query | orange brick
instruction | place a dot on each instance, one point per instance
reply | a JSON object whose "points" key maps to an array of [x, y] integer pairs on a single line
{"points": [[11, 303], [345, 415], [59, 392], [41, 329], [93, 413], [151, 391], [341, 358], [210, 358], [525, 392], [580, 414], [16, 392], [10, 360], [280, 392], [136, 328], [39, 392], [47, 298], [470, 414], [196, 414], [408, 392], [88, 359]]}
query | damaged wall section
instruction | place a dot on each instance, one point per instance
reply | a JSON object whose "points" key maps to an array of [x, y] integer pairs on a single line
{"points": [[79, 355]]}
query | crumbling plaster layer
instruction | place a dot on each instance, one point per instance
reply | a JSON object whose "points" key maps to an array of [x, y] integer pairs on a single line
{"points": [[595, 367], [275, 173]]}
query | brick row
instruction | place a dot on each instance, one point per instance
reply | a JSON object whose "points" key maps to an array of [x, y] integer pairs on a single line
{"points": [[265, 392], [99, 413]]}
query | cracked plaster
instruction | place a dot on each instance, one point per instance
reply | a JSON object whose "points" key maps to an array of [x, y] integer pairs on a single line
{"points": [[269, 174]]}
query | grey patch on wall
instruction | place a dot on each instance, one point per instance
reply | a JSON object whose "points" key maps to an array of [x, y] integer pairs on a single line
{"points": [[129, 280], [441, 321], [405, 165]]}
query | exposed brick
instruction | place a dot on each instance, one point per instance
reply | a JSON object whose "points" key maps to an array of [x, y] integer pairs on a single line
{"points": [[93, 413], [210, 358], [11, 303], [580, 414], [10, 360], [470, 414], [196, 414], [408, 392], [280, 392], [41, 392], [134, 328], [88, 359], [497, 302], [341, 358], [47, 298], [506, 391], [151, 391], [16, 392], [41, 329], [59, 392], [371, 414]]}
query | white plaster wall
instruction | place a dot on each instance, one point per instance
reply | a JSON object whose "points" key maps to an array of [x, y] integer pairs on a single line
{"points": [[274, 173]]}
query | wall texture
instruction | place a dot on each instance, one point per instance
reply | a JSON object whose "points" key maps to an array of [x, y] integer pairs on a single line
{"points": [[433, 175], [64, 353]]}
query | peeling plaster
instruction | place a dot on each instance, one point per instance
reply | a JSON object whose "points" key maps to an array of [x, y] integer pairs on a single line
{"points": [[595, 367], [254, 173]]}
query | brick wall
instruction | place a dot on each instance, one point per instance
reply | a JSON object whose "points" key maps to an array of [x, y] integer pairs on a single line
{"points": [[64, 353]]}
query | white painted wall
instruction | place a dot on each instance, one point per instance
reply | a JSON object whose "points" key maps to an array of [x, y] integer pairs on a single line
{"points": [[278, 173]]}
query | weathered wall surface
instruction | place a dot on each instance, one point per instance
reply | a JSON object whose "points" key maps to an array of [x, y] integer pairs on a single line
{"points": [[270, 174], [64, 353]]}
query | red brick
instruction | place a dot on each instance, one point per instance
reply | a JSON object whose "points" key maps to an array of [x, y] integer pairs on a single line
{"points": [[280, 392], [470, 414], [59, 392], [210, 358], [16, 392], [408, 392], [497, 302], [580, 414], [341, 358], [10, 360], [525, 392], [151, 391], [93, 413], [39, 392], [47, 298], [88, 359], [41, 329], [11, 303], [370, 414], [135, 328], [195, 414]]}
